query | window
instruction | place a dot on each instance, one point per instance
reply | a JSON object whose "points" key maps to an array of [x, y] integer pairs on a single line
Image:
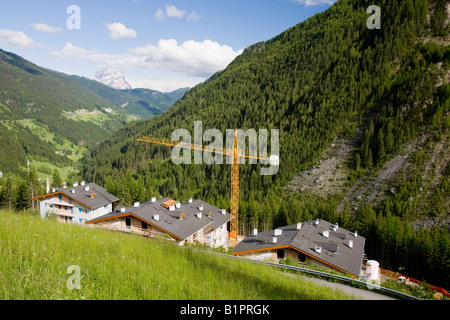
{"points": [[60, 198], [144, 225], [71, 210], [128, 222], [79, 210], [301, 257], [65, 208], [70, 219], [70, 200], [280, 253]]}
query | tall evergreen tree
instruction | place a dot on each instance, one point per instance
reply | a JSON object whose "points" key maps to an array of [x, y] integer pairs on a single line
{"points": [[56, 181], [381, 149], [389, 145], [23, 200], [7, 195], [34, 186]]}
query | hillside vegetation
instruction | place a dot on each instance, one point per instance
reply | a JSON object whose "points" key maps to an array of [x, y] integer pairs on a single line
{"points": [[327, 78], [36, 255], [141, 103], [52, 118], [38, 114]]}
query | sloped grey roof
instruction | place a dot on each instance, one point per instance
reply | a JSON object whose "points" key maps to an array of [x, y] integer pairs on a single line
{"points": [[91, 195], [170, 221], [335, 249]]}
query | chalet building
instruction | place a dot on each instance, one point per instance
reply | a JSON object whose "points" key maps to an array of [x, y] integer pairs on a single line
{"points": [[188, 222], [77, 204], [318, 241]]}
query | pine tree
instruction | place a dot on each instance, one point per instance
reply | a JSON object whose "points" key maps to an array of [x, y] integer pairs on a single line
{"points": [[23, 200], [56, 181], [293, 214], [371, 129], [34, 186], [123, 192], [282, 215], [389, 144], [7, 195], [369, 159], [110, 185], [381, 150], [140, 190], [357, 162]]}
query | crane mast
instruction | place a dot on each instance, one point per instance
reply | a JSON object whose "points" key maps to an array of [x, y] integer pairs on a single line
{"points": [[234, 199]]}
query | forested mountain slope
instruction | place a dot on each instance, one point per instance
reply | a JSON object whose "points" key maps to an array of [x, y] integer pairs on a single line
{"points": [[142, 103], [329, 78], [53, 118], [37, 105]]}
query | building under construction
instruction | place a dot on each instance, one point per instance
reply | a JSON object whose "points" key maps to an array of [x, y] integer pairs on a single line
{"points": [[187, 222], [318, 241]]}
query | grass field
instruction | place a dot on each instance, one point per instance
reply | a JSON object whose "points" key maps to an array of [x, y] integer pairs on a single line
{"points": [[36, 254], [50, 168], [73, 152], [44, 133]]}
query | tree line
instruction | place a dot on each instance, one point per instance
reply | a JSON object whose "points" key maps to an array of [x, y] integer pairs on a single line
{"points": [[16, 191]]}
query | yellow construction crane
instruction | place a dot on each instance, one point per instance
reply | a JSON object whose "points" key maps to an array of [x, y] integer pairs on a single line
{"points": [[234, 201]]}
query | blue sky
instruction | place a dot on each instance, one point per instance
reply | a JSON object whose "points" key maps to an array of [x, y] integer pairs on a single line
{"points": [[158, 44]]}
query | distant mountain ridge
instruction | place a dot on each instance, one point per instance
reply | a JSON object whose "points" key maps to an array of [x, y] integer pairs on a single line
{"points": [[51, 117], [139, 102], [39, 106]]}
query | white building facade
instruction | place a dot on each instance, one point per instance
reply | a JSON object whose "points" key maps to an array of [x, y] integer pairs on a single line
{"points": [[78, 204]]}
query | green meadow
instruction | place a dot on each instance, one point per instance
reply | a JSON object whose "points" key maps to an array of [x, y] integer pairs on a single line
{"points": [[48, 260]]}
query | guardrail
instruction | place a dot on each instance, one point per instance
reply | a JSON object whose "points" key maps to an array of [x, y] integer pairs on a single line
{"points": [[343, 279]]}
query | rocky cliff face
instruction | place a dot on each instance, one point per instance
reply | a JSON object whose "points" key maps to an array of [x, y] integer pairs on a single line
{"points": [[113, 79]]}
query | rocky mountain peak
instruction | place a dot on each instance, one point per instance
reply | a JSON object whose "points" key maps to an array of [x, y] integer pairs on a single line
{"points": [[113, 79]]}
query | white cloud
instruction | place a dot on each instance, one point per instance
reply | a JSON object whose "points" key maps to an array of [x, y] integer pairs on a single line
{"points": [[159, 14], [118, 60], [309, 3], [197, 59], [193, 16], [45, 28], [190, 58], [118, 30], [71, 51], [165, 84], [173, 12], [16, 38]]}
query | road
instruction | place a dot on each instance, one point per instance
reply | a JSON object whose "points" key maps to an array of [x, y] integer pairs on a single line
{"points": [[360, 294]]}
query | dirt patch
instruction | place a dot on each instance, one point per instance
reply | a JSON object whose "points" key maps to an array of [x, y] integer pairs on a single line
{"points": [[374, 189], [327, 176]]}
